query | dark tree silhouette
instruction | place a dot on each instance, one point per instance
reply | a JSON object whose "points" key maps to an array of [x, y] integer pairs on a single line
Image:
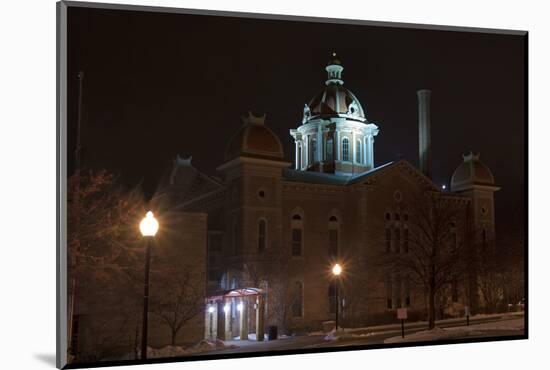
{"points": [[436, 254]]}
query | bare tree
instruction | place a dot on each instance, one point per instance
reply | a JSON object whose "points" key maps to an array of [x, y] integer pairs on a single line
{"points": [[270, 269], [500, 274], [180, 298], [102, 239], [435, 256], [490, 277]]}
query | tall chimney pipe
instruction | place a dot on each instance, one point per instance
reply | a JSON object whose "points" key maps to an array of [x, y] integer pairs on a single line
{"points": [[424, 133]]}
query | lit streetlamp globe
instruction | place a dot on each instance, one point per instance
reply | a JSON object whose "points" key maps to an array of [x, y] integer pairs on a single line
{"points": [[149, 225], [337, 269]]}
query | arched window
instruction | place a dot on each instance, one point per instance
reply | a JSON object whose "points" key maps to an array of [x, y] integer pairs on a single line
{"points": [[397, 292], [297, 227], [333, 237], [312, 150], [345, 149], [358, 151], [262, 235], [297, 299], [397, 240], [389, 292], [388, 240], [329, 150], [454, 290]]}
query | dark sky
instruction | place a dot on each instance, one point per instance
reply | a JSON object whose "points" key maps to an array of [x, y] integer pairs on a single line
{"points": [[161, 84]]}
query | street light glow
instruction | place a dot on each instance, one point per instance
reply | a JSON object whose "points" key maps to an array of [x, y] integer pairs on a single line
{"points": [[211, 309], [337, 269], [149, 225], [226, 308], [240, 307]]}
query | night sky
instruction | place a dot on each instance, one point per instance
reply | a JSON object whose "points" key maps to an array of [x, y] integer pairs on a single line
{"points": [[157, 85]]}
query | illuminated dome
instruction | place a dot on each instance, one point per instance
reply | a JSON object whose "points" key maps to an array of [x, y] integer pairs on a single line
{"points": [[254, 139], [334, 100], [471, 172]]}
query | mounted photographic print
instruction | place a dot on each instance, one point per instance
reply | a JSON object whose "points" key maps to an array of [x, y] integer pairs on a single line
{"points": [[236, 185]]}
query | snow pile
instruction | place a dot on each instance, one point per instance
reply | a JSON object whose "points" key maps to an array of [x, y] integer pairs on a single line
{"points": [[175, 351], [209, 345], [168, 351], [333, 335]]}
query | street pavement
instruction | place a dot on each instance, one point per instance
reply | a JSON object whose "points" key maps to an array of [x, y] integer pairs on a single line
{"points": [[368, 336]]}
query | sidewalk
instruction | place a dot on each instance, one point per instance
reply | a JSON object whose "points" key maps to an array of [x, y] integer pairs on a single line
{"points": [[422, 324], [508, 326]]}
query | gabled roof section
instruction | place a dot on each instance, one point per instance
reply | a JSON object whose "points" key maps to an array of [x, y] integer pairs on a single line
{"points": [[401, 165], [365, 177], [185, 182]]}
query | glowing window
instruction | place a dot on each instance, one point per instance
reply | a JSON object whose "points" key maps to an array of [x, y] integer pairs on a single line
{"points": [[345, 149]]}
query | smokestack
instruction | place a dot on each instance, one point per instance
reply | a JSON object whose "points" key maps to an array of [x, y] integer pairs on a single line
{"points": [[424, 133]]}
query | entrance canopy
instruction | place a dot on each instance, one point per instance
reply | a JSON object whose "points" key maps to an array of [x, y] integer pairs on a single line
{"points": [[235, 293]]}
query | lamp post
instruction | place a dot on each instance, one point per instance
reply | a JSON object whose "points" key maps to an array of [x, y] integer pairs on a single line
{"points": [[148, 227], [336, 271]]}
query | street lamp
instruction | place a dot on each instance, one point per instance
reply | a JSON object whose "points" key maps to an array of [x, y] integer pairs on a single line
{"points": [[336, 271], [148, 227]]}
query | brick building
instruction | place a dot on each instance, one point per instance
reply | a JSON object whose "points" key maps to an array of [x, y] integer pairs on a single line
{"points": [[275, 228]]}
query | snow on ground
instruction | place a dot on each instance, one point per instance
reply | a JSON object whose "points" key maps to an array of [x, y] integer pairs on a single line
{"points": [[333, 335], [252, 337], [201, 347], [382, 329], [459, 331]]}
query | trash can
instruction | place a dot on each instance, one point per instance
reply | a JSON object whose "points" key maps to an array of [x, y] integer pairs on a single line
{"points": [[272, 332]]}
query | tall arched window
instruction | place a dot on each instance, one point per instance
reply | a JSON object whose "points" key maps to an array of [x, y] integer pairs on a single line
{"points": [[297, 299], [397, 240], [345, 149], [358, 152], [397, 292], [329, 149], [262, 235], [388, 239], [297, 227], [312, 150], [333, 237], [389, 292]]}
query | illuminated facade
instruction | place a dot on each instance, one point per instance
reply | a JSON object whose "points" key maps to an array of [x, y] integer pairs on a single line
{"points": [[278, 227], [335, 135]]}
